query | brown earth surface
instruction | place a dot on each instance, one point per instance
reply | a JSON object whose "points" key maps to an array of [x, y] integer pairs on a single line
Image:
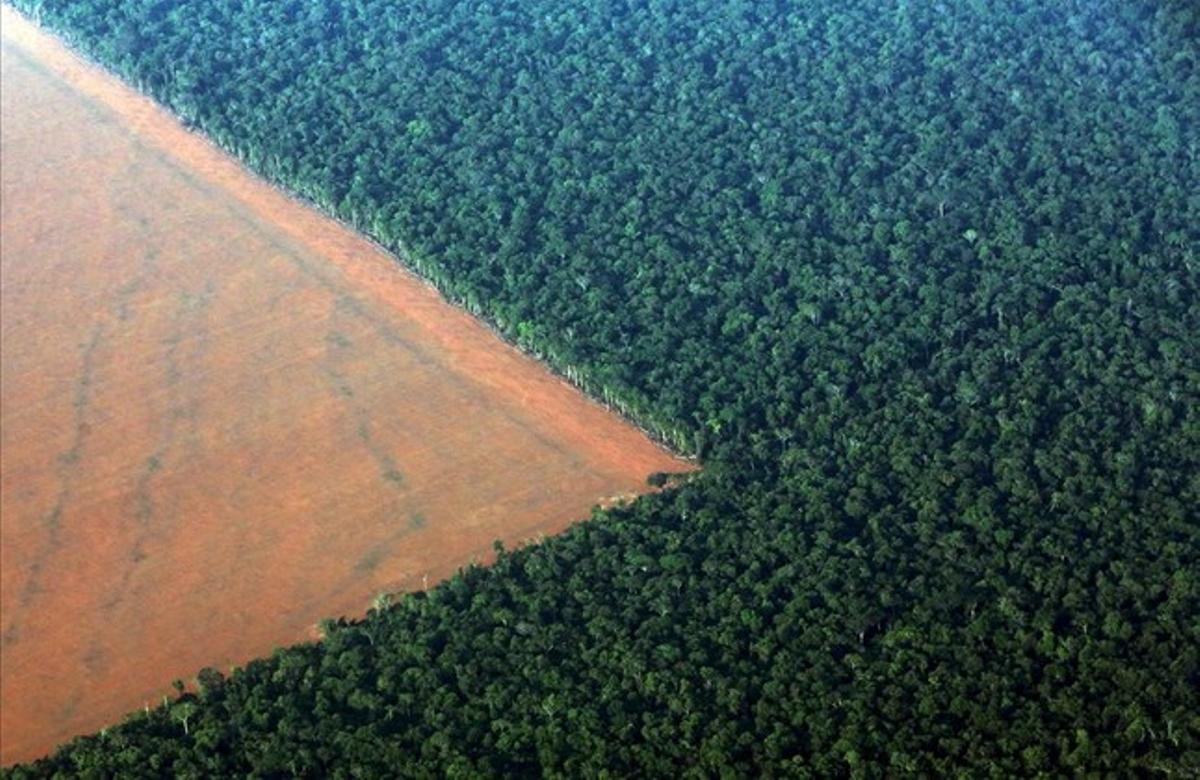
{"points": [[224, 417]]}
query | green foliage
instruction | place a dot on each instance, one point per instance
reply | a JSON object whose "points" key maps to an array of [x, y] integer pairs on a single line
{"points": [[918, 281]]}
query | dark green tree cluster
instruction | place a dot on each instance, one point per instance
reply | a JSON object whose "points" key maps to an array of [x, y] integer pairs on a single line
{"points": [[919, 281]]}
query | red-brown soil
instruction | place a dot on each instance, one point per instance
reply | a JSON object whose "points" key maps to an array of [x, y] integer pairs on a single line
{"points": [[224, 417]]}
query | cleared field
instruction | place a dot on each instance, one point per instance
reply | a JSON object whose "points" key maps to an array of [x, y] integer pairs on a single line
{"points": [[224, 417]]}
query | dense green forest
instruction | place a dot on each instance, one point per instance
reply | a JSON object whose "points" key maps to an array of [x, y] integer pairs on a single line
{"points": [[919, 283]]}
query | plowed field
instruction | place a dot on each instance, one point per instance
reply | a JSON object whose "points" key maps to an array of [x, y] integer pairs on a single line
{"points": [[225, 417]]}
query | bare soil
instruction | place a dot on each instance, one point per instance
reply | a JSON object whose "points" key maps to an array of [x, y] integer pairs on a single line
{"points": [[224, 416]]}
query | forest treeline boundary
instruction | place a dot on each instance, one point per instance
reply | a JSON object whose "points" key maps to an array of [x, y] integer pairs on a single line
{"points": [[918, 282]]}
